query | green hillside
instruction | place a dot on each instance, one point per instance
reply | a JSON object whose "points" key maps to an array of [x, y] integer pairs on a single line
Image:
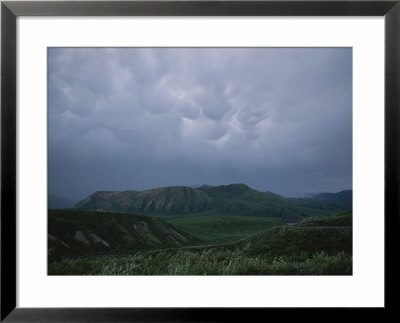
{"points": [[325, 203], [219, 229], [234, 199], [276, 251], [239, 199], [343, 198], [341, 219], [163, 200], [211, 230], [72, 233]]}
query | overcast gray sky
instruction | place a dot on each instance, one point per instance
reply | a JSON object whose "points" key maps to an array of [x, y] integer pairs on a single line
{"points": [[276, 119]]}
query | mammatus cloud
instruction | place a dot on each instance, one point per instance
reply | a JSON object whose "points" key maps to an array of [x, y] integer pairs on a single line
{"points": [[277, 119]]}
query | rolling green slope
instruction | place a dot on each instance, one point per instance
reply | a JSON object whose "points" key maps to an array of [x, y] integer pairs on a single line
{"points": [[219, 229], [72, 233], [342, 219], [239, 199], [276, 251], [343, 198], [325, 203]]}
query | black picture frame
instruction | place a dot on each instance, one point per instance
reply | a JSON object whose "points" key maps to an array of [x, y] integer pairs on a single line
{"points": [[10, 10]]}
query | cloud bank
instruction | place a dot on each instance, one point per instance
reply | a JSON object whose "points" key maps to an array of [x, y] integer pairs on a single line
{"points": [[277, 119]]}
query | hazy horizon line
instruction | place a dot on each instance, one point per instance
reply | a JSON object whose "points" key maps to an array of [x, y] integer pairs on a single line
{"points": [[196, 186]]}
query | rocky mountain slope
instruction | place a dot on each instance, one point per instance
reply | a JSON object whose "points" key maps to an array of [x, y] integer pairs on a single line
{"points": [[234, 199]]}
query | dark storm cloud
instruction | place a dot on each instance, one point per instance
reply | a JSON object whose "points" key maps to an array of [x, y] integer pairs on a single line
{"points": [[277, 119]]}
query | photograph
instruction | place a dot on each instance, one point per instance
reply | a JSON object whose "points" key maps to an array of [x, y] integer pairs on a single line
{"points": [[199, 161], [191, 161]]}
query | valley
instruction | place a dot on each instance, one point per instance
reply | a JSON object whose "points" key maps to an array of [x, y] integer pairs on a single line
{"points": [[210, 230]]}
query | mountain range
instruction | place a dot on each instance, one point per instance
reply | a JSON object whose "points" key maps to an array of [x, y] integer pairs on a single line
{"points": [[233, 199]]}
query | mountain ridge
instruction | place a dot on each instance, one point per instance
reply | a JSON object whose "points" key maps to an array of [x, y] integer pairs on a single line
{"points": [[232, 199]]}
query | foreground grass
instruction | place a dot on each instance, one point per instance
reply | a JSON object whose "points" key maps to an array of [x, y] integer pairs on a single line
{"points": [[276, 251], [204, 263]]}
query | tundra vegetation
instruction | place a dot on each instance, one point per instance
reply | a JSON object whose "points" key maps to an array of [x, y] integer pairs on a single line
{"points": [[211, 230]]}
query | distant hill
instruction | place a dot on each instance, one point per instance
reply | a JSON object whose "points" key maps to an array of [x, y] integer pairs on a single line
{"points": [[272, 194], [168, 200], [233, 199], [223, 228], [328, 203], [343, 198], [56, 202], [344, 219], [87, 232], [290, 216]]}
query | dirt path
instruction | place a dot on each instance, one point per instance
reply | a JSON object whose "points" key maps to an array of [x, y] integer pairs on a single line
{"points": [[323, 227]]}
